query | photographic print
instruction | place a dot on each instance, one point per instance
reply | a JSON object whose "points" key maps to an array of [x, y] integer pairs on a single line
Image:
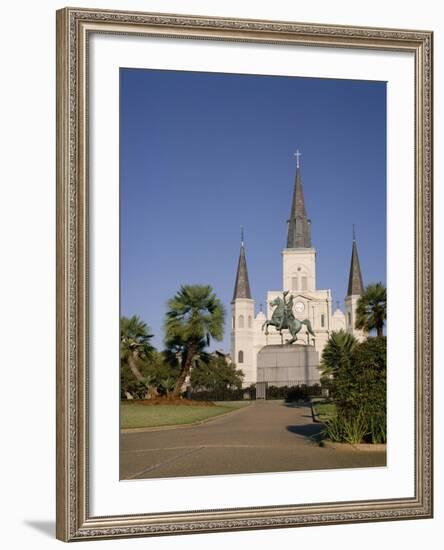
{"points": [[234, 197], [252, 274]]}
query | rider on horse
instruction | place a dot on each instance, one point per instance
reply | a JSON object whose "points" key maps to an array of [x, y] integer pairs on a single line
{"points": [[283, 318], [288, 311]]}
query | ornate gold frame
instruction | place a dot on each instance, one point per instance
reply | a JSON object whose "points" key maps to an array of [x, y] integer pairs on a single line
{"points": [[73, 519]]}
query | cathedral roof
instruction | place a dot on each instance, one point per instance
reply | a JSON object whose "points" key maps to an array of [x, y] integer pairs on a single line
{"points": [[355, 284], [338, 313], [299, 230], [242, 285]]}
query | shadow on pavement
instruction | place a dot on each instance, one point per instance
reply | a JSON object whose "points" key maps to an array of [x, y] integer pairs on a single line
{"points": [[311, 431], [297, 404]]}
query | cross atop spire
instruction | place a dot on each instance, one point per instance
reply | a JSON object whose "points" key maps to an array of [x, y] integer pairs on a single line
{"points": [[354, 233], [242, 236], [297, 155]]}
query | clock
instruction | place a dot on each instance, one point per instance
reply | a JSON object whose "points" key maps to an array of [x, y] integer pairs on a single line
{"points": [[299, 307]]}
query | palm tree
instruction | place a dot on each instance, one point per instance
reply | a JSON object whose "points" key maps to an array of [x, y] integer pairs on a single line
{"points": [[134, 344], [194, 316], [339, 347], [371, 312]]}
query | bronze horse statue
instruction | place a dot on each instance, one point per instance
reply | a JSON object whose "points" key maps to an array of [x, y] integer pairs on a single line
{"points": [[283, 318]]}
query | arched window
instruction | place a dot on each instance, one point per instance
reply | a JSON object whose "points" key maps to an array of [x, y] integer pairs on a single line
{"points": [[294, 283], [349, 318], [241, 321], [240, 356], [322, 320], [303, 282], [249, 321], [233, 323]]}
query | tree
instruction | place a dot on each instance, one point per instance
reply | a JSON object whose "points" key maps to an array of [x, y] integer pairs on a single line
{"points": [[339, 347], [135, 349], [194, 316], [215, 374], [162, 367], [371, 312]]}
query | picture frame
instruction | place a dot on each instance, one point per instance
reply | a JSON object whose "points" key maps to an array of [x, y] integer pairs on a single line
{"points": [[75, 519]]}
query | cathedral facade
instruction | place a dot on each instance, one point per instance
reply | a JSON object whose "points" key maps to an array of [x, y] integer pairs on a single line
{"points": [[299, 279]]}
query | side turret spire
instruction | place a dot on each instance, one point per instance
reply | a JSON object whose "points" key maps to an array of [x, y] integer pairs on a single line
{"points": [[299, 230], [242, 284], [355, 284]]}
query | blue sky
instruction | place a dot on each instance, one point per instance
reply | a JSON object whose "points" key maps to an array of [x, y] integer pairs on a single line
{"points": [[202, 154]]}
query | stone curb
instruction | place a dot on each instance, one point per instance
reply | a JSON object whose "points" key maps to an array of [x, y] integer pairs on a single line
{"points": [[359, 447], [179, 426]]}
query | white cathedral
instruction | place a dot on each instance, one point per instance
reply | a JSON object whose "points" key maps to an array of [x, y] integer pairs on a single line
{"points": [[299, 278]]}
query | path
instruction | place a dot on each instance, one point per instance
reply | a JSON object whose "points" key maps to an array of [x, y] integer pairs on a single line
{"points": [[266, 436]]}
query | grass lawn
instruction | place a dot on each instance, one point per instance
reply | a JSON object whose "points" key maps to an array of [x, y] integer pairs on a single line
{"points": [[135, 415], [324, 409]]}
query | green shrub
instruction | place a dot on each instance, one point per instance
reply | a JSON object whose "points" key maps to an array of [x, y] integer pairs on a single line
{"points": [[215, 374], [226, 394], [293, 393], [334, 429], [378, 428], [360, 394], [355, 430]]}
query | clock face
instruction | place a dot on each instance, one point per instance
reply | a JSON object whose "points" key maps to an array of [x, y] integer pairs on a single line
{"points": [[299, 307]]}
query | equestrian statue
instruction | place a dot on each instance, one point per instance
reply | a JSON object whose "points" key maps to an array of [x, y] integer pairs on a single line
{"points": [[283, 318]]}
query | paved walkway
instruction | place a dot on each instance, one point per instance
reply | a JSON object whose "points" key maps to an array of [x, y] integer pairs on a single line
{"points": [[266, 436]]}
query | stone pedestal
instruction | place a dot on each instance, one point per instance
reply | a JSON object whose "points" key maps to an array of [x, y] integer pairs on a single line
{"points": [[288, 365]]}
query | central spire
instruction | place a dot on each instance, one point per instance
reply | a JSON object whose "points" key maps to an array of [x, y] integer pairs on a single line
{"points": [[242, 284], [299, 229]]}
